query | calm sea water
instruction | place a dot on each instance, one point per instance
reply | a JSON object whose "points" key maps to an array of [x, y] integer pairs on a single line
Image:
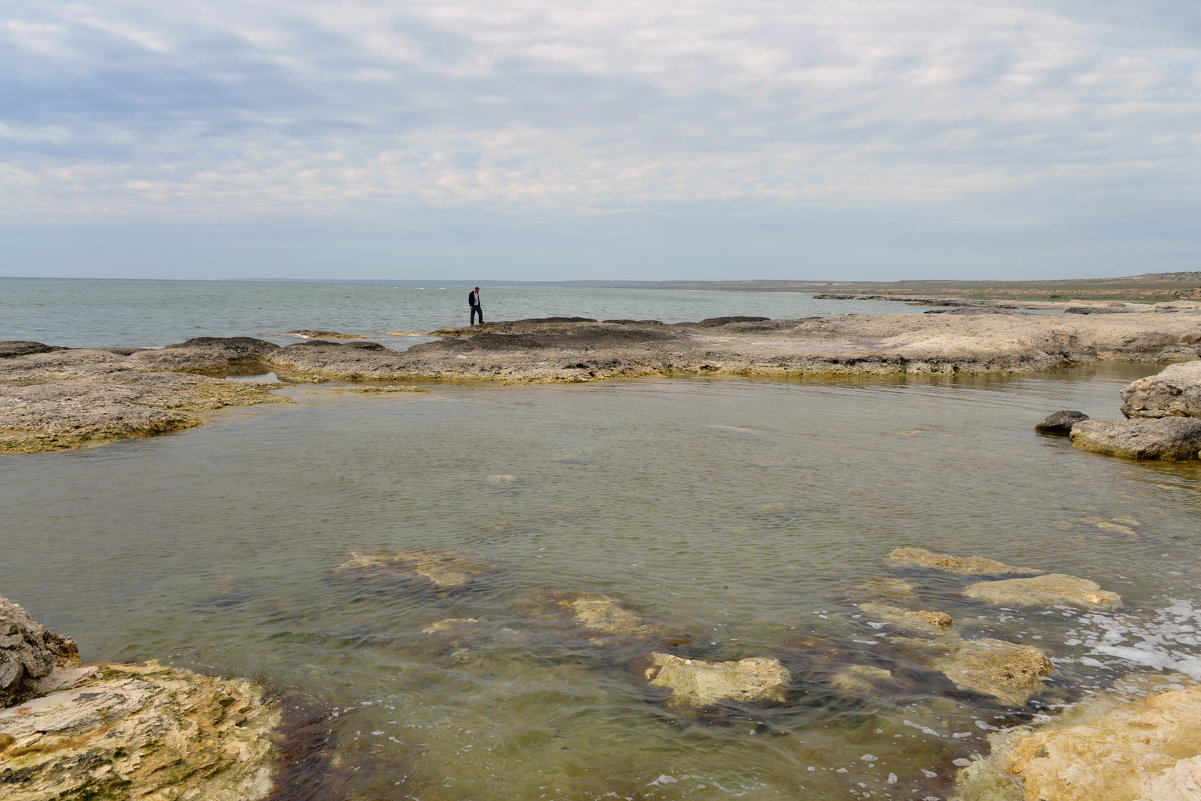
{"points": [[144, 313], [744, 510]]}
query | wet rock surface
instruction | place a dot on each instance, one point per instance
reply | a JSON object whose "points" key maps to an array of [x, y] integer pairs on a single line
{"points": [[601, 620], [1167, 438], [695, 684], [440, 570], [1009, 672], [962, 565], [1060, 423], [29, 654], [1052, 589], [1105, 749], [913, 619], [1173, 392], [144, 732]]}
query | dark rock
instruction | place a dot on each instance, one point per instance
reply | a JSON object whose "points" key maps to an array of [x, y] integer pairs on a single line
{"points": [[1060, 423], [714, 322], [321, 343], [233, 348], [28, 653], [20, 347]]}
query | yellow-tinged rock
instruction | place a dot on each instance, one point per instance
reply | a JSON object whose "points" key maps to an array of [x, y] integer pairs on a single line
{"points": [[696, 683], [963, 565], [1053, 589]]}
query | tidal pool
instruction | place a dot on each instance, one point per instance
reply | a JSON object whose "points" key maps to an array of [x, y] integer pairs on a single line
{"points": [[746, 511]]}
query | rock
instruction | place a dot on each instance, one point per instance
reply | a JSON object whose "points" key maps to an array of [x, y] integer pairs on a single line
{"points": [[1006, 671], [443, 570], [1060, 423], [859, 680], [921, 620], [1169, 438], [1107, 749], [963, 565], [141, 732], [888, 587], [695, 683], [20, 347], [602, 620], [29, 654], [1173, 392], [1052, 589], [451, 624]]}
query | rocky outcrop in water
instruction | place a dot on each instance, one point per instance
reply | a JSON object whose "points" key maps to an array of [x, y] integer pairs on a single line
{"points": [[914, 619], [962, 565], [1060, 424], [695, 684], [1107, 749], [1052, 589], [444, 570], [140, 732], [1173, 392], [29, 654], [1167, 438]]}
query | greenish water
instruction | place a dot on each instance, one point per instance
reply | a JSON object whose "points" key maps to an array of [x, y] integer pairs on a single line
{"points": [[744, 510]]}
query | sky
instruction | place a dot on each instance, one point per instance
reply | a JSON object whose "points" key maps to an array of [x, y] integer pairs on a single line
{"points": [[551, 140]]}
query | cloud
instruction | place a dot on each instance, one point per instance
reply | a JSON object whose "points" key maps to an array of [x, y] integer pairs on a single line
{"points": [[1005, 113]]}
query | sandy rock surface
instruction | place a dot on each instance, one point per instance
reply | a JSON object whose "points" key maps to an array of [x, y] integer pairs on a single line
{"points": [[962, 565], [696, 683], [140, 732], [1173, 392], [1168, 438], [29, 654], [1107, 749], [441, 569], [1052, 589], [913, 619]]}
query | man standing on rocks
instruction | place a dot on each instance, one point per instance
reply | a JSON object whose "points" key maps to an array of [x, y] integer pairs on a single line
{"points": [[473, 300]]}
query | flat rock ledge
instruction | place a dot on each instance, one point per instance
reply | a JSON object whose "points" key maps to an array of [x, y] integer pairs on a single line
{"points": [[1167, 438], [141, 732], [53, 398], [961, 565], [1107, 749], [1052, 589], [695, 684], [1173, 392]]}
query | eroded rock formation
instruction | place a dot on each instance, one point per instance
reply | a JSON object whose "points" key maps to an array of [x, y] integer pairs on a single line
{"points": [[1169, 438], [29, 654], [1052, 589], [695, 683], [962, 565]]}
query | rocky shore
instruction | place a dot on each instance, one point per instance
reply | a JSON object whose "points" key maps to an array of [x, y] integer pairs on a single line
{"points": [[53, 398]]}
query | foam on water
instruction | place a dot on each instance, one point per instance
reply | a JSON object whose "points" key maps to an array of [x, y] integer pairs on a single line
{"points": [[1169, 640]]}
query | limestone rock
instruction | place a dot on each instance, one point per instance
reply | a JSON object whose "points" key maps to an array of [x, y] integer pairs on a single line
{"points": [[450, 624], [1173, 392], [963, 565], [1052, 589], [29, 654], [1060, 423], [919, 620], [600, 619], [859, 680], [1147, 749], [696, 683], [141, 732], [1009, 672], [888, 587], [443, 570], [1169, 438]]}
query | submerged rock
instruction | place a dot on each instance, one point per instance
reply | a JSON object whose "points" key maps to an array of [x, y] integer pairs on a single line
{"points": [[1052, 589], [1173, 392], [1060, 423], [1009, 672], [856, 681], [29, 654], [601, 619], [443, 570], [1169, 438], [963, 565], [141, 732], [1104, 750], [919, 620], [695, 683]]}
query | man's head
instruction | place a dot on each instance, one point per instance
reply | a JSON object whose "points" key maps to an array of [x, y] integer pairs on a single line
{"points": [[477, 289]]}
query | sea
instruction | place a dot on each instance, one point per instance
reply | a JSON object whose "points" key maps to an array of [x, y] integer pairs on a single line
{"points": [[754, 513]]}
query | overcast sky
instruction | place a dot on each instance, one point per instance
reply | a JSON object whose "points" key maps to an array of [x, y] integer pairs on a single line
{"points": [[542, 139]]}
